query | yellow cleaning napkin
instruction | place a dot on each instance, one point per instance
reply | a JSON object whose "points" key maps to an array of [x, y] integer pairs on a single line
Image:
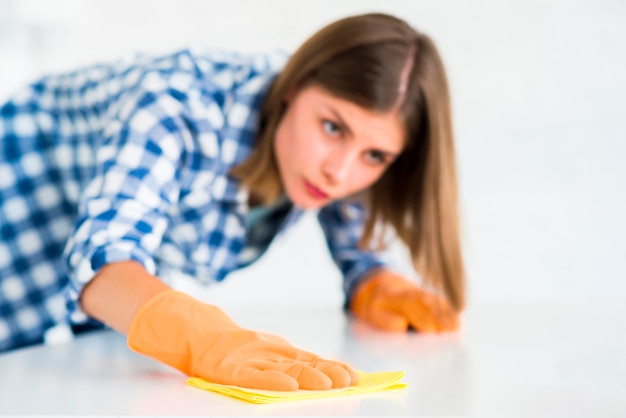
{"points": [[368, 382]]}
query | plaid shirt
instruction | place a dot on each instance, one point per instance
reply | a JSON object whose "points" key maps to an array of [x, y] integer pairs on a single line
{"points": [[130, 161]]}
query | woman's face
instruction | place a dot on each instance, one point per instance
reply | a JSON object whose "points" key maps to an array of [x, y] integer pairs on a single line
{"points": [[329, 148]]}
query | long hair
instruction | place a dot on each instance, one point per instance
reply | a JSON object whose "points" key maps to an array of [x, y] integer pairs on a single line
{"points": [[381, 63]]}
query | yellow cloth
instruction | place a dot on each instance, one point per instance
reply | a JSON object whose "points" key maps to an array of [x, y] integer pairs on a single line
{"points": [[368, 382]]}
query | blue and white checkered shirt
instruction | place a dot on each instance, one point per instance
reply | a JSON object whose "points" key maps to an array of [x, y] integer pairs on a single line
{"points": [[130, 161]]}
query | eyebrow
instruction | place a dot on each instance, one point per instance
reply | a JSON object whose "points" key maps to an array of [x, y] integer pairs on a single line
{"points": [[340, 121], [343, 125]]}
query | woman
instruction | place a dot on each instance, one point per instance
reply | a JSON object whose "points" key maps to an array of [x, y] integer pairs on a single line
{"points": [[113, 176]]}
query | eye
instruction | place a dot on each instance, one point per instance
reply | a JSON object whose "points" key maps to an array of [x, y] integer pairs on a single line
{"points": [[376, 157], [331, 127]]}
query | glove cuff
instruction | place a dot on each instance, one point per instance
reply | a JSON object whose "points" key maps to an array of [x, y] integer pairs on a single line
{"points": [[165, 327]]}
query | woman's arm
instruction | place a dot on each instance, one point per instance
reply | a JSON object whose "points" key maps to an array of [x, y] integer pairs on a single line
{"points": [[373, 291], [200, 339], [117, 293]]}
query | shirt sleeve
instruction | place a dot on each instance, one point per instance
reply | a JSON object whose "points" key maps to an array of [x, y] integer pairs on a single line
{"points": [[122, 210], [343, 225]]}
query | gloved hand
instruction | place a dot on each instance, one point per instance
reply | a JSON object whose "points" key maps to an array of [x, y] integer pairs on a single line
{"points": [[201, 340], [392, 303]]}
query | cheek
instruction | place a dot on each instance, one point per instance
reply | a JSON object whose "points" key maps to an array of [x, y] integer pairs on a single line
{"points": [[364, 178], [280, 145], [302, 149], [285, 146]]}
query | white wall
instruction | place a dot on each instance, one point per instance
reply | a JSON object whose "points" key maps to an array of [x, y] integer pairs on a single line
{"points": [[538, 90]]}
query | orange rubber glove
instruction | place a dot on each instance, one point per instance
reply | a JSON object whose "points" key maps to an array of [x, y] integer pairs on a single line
{"points": [[392, 303], [200, 340]]}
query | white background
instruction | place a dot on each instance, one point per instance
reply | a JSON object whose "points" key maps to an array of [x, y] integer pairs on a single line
{"points": [[538, 94]]}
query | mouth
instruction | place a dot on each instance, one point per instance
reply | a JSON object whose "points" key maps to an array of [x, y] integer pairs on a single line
{"points": [[314, 191]]}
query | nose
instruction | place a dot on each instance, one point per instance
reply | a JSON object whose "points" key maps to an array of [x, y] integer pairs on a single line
{"points": [[337, 166]]}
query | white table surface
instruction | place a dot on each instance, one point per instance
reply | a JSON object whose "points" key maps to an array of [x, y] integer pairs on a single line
{"points": [[507, 361]]}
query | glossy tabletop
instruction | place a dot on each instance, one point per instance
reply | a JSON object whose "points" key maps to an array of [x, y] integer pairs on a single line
{"points": [[507, 361]]}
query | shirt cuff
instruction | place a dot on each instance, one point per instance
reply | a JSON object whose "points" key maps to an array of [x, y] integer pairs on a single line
{"points": [[358, 274]]}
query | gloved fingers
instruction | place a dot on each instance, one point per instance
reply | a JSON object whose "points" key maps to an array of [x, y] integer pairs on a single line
{"points": [[308, 377], [272, 374], [341, 374], [452, 322], [422, 323], [444, 316], [417, 313], [263, 379], [315, 375], [423, 311]]}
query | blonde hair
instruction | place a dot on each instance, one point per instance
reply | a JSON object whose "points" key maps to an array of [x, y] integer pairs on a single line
{"points": [[381, 63]]}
